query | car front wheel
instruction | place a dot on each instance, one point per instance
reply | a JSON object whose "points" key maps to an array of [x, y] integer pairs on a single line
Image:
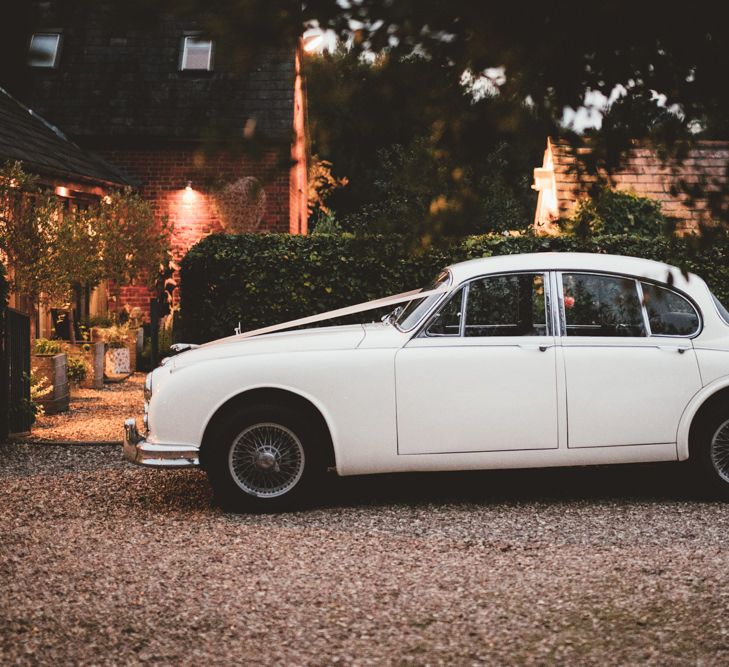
{"points": [[265, 458]]}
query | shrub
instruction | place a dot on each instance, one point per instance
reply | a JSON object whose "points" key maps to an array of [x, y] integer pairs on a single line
{"points": [[114, 336], [264, 279], [76, 369], [616, 212], [29, 409], [170, 328], [48, 347]]}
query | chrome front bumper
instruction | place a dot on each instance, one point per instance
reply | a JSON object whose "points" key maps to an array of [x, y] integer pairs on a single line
{"points": [[138, 450]]}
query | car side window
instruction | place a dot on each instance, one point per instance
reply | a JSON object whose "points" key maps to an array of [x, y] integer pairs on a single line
{"points": [[669, 314], [508, 305], [597, 305], [447, 321]]}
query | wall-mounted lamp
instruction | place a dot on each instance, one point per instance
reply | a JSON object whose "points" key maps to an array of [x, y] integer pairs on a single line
{"points": [[189, 193], [62, 192]]}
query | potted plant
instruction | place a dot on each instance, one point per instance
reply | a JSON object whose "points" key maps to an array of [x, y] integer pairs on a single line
{"points": [[117, 353], [77, 370], [50, 363]]}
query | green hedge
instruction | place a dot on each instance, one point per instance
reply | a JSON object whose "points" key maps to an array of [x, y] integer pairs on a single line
{"points": [[263, 279]]}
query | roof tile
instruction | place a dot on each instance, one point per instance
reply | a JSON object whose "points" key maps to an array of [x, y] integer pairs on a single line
{"points": [[45, 150]]}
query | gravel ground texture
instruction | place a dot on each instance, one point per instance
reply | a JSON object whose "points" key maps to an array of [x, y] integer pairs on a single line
{"points": [[104, 563], [95, 415]]}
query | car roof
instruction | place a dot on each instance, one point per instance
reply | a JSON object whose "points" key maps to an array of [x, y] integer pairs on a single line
{"points": [[571, 261]]}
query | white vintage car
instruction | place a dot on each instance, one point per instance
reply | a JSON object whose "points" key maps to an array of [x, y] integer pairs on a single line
{"points": [[550, 359]]}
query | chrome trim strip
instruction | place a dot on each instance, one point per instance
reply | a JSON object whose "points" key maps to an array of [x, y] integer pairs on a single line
{"points": [[548, 301], [643, 309], [464, 310], [560, 304], [137, 450]]}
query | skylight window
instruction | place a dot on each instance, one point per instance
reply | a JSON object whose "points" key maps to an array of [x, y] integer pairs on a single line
{"points": [[197, 54], [44, 49]]}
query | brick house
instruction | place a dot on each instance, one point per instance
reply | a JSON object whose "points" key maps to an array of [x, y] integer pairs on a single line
{"points": [[76, 176], [179, 122], [562, 181]]}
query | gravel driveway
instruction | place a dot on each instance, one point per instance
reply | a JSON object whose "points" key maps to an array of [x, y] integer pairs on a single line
{"points": [[104, 563], [94, 414]]}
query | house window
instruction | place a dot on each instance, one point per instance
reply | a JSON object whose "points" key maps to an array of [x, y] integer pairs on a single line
{"points": [[44, 49], [197, 54]]}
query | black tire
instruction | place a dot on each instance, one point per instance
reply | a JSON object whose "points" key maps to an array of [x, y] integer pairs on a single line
{"points": [[235, 476], [711, 460]]}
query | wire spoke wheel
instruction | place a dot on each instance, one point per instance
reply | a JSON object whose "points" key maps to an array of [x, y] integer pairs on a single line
{"points": [[720, 451], [266, 460]]}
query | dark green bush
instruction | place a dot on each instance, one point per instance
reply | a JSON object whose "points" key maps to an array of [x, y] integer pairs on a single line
{"points": [[618, 212], [264, 279]]}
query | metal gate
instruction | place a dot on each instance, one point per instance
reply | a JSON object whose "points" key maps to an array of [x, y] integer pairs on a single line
{"points": [[15, 414]]}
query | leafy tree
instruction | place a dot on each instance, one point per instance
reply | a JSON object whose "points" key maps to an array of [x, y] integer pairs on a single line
{"points": [[421, 155], [30, 222], [554, 54], [422, 192], [132, 244], [51, 247]]}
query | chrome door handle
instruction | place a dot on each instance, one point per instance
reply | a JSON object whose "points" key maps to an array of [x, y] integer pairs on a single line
{"points": [[541, 348], [671, 348]]}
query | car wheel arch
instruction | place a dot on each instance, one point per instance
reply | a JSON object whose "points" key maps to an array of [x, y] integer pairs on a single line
{"points": [[274, 396], [701, 404]]}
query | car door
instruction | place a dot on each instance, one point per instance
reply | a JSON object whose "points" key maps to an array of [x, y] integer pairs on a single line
{"points": [[629, 363], [481, 375]]}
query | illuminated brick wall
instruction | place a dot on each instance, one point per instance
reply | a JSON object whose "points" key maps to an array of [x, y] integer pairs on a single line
{"points": [[163, 175]]}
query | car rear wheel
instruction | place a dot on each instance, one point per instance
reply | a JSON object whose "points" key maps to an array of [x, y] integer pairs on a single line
{"points": [[265, 458], [712, 452]]}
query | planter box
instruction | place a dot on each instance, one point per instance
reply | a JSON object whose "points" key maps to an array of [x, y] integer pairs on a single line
{"points": [[130, 344], [94, 358], [118, 361], [132, 347], [54, 369]]}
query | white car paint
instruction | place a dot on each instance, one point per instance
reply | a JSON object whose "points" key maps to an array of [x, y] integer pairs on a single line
{"points": [[470, 394], [394, 401]]}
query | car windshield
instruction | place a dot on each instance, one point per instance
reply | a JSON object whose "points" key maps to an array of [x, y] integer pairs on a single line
{"points": [[407, 316]]}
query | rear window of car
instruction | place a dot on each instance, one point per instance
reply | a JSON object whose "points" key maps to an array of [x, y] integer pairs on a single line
{"points": [[723, 312], [669, 314], [601, 305]]}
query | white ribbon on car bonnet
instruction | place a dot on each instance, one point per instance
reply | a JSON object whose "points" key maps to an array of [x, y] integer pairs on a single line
{"points": [[341, 312]]}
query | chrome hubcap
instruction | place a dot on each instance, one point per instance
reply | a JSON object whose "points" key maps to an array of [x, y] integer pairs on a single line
{"points": [[266, 460], [720, 451]]}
